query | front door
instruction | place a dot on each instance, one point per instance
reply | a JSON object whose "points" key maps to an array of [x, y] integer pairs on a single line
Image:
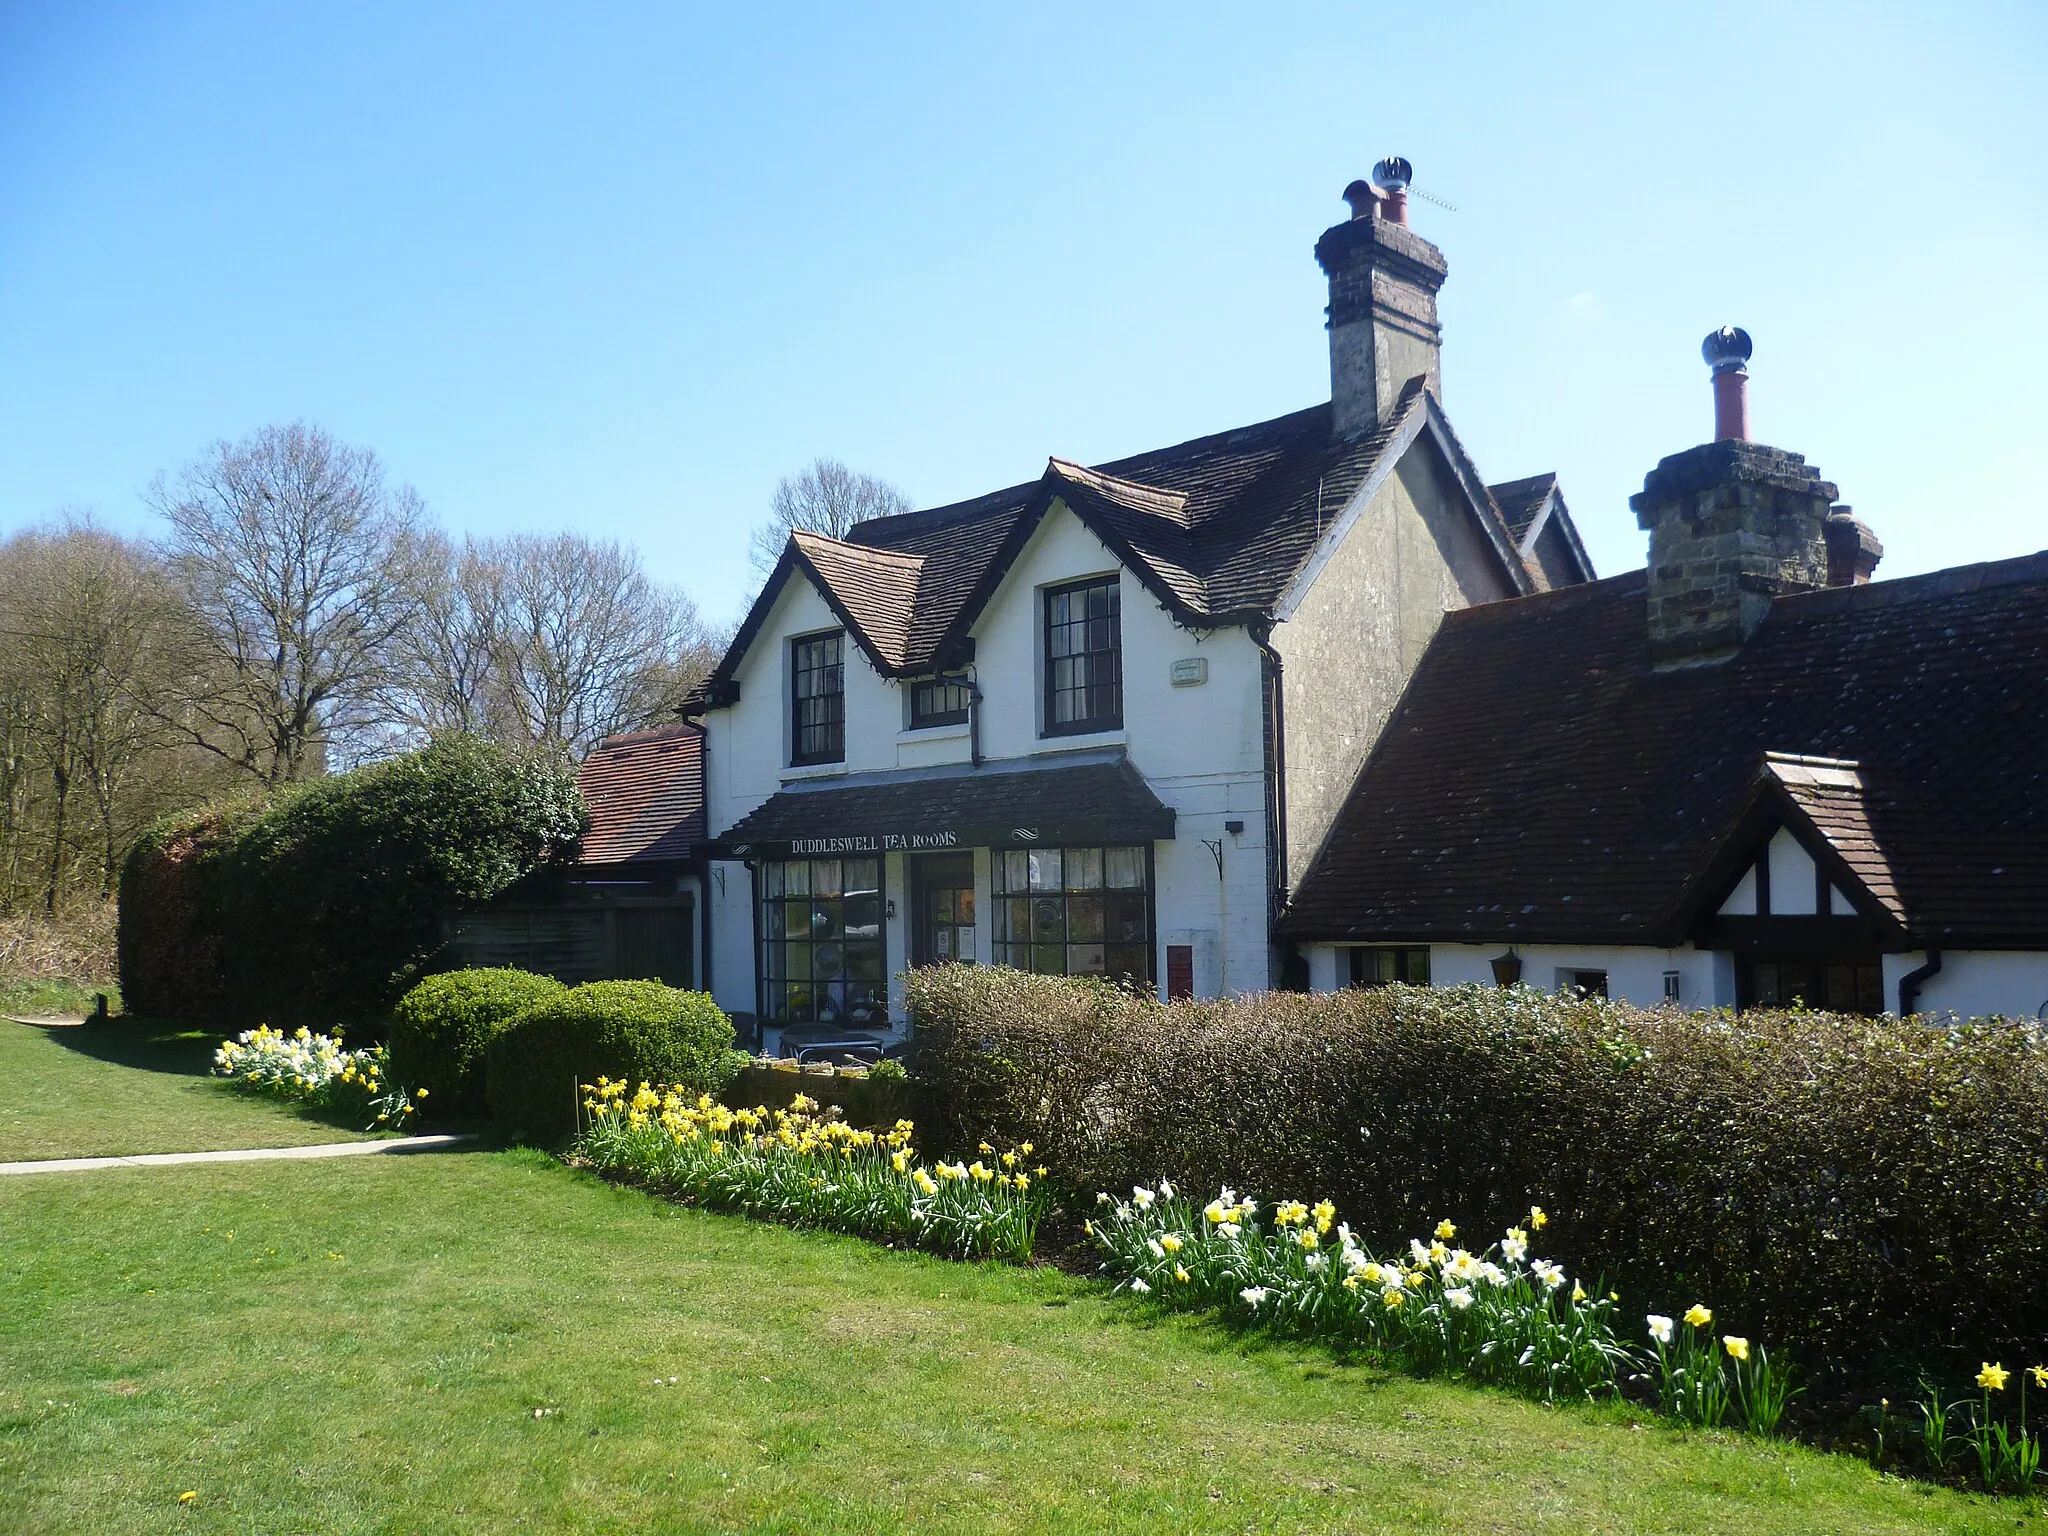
{"points": [[942, 904]]}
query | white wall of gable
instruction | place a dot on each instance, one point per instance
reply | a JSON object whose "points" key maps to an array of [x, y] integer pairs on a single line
{"points": [[1741, 901], [1792, 883]]}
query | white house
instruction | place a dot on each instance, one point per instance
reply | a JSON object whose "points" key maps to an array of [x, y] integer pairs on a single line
{"points": [[1748, 775], [1098, 722]]}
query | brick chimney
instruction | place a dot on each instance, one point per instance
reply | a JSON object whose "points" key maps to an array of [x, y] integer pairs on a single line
{"points": [[1383, 285], [1734, 524]]}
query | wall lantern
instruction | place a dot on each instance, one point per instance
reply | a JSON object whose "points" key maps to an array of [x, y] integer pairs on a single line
{"points": [[1507, 968]]}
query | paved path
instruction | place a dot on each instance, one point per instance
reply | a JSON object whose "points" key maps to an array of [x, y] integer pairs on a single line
{"points": [[248, 1155]]}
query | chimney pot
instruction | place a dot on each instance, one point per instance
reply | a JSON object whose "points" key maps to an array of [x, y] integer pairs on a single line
{"points": [[1363, 198], [1727, 353], [1392, 176]]}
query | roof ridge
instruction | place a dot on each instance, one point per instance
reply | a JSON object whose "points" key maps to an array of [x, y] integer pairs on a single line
{"points": [[1134, 494], [677, 728], [1949, 581], [806, 537]]}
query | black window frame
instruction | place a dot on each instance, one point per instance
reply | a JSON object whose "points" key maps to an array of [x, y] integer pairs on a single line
{"points": [[830, 719], [1103, 698], [821, 941], [1408, 963], [952, 686], [1132, 905]]}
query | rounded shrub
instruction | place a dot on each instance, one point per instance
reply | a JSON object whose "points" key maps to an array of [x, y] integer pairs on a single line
{"points": [[440, 1028], [636, 1030]]}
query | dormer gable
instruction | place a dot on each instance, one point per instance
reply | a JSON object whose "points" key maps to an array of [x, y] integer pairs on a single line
{"points": [[1800, 850]]}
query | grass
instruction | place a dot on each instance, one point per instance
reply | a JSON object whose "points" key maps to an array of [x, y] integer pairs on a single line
{"points": [[44, 997], [112, 1090], [363, 1347]]}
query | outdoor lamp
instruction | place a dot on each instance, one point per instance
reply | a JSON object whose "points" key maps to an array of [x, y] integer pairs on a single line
{"points": [[1507, 968]]}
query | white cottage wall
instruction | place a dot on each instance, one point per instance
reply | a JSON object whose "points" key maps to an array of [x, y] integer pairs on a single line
{"points": [[1976, 984]]}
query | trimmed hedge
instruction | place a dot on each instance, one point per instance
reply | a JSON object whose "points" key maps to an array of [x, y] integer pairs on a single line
{"points": [[168, 924], [1871, 1192], [634, 1030], [439, 1031], [325, 905]]}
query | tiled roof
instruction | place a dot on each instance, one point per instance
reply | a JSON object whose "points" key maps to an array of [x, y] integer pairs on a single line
{"points": [[645, 792], [1540, 781], [1830, 794], [1521, 500], [962, 807], [1218, 528]]}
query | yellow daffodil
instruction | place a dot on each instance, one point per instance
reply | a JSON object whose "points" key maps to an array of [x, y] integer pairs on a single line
{"points": [[1736, 1345], [1578, 1291], [1538, 1220], [2039, 1373], [1171, 1242], [1445, 1231], [1180, 1273], [1698, 1316], [1325, 1214], [1992, 1377]]}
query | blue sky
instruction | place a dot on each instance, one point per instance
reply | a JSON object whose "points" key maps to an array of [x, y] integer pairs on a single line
{"points": [[619, 267]]}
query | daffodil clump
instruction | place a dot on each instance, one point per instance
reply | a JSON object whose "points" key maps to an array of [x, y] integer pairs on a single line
{"points": [[2008, 1454], [1500, 1314], [318, 1070], [807, 1166], [1701, 1381]]}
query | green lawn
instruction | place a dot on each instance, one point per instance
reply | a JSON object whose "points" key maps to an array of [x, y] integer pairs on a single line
{"points": [[363, 1346], [111, 1090]]}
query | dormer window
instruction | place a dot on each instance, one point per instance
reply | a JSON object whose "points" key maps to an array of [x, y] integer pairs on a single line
{"points": [[818, 699], [941, 700], [1084, 664]]}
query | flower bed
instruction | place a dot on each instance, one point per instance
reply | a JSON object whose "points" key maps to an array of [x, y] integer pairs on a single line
{"points": [[808, 1166], [317, 1070]]}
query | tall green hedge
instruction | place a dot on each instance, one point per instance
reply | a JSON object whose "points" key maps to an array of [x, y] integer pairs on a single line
{"points": [[325, 906], [633, 1030], [1872, 1193]]}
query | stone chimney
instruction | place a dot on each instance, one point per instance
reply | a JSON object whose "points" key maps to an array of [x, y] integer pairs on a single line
{"points": [[1734, 524], [1383, 285]]}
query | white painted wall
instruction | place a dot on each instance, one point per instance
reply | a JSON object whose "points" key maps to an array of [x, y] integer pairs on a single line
{"points": [[1976, 983], [1635, 973]]}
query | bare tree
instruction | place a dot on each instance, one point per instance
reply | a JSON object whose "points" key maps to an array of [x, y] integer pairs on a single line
{"points": [[544, 641], [586, 643], [82, 645], [444, 675], [292, 554], [825, 497]]}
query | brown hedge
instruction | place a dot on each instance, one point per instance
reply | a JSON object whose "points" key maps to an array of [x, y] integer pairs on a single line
{"points": [[169, 925], [1872, 1193]]}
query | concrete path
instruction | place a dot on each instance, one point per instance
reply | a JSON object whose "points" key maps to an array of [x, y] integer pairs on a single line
{"points": [[247, 1155]]}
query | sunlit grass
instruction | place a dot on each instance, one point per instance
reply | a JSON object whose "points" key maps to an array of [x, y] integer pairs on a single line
{"points": [[112, 1090], [489, 1341]]}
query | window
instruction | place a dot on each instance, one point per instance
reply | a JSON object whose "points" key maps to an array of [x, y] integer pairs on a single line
{"points": [[1084, 668], [1377, 967], [818, 700], [1836, 984], [939, 701], [1588, 983], [1075, 911], [821, 942], [1671, 980]]}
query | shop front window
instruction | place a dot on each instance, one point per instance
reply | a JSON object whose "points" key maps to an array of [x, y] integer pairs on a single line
{"points": [[821, 942], [1075, 911]]}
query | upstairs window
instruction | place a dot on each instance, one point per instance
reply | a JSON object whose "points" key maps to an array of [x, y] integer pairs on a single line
{"points": [[818, 700], [939, 701], [1084, 664]]}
